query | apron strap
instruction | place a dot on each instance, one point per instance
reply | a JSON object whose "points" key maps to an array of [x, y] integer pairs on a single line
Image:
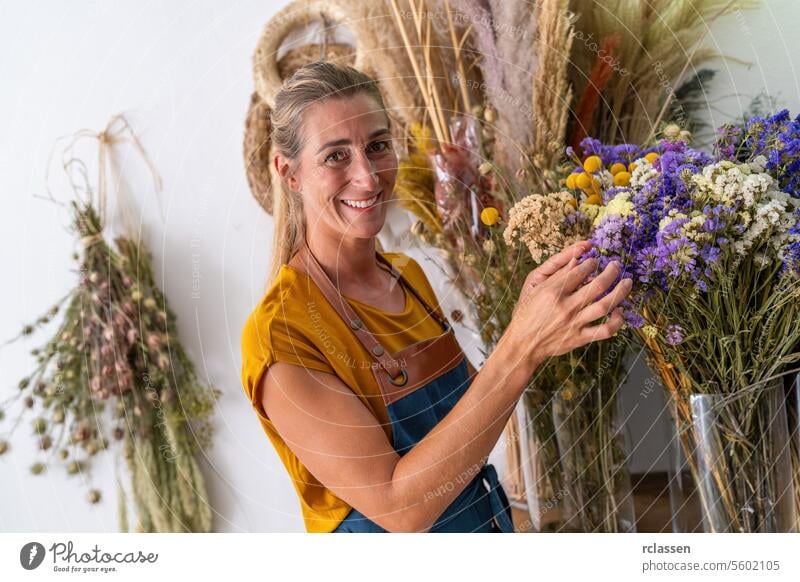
{"points": [[399, 276], [312, 267]]}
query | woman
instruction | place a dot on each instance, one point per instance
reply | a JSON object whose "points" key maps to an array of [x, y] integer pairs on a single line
{"points": [[348, 360]]}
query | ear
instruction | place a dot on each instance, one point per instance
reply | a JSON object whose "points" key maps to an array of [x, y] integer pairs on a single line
{"points": [[285, 169]]}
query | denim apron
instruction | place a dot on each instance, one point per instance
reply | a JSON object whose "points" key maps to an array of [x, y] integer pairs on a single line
{"points": [[420, 384]]}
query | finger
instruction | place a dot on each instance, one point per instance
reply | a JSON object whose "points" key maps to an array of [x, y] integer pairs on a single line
{"points": [[591, 291], [605, 330], [568, 280], [562, 258], [608, 303]]}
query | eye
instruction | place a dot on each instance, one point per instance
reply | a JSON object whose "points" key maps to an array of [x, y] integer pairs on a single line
{"points": [[337, 156], [380, 146]]}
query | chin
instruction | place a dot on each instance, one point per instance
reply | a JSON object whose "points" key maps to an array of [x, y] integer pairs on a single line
{"points": [[371, 231]]}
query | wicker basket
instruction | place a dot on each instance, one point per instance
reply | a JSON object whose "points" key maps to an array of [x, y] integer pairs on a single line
{"points": [[375, 52], [257, 147]]}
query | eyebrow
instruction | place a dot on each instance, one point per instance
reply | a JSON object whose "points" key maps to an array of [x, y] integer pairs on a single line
{"points": [[345, 141]]}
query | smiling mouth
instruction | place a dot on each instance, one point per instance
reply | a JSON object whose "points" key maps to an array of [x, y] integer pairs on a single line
{"points": [[365, 204]]}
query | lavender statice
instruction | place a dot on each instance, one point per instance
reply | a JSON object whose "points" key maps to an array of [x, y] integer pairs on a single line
{"points": [[776, 137]]}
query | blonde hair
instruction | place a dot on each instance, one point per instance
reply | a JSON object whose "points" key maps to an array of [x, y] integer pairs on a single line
{"points": [[310, 84]]}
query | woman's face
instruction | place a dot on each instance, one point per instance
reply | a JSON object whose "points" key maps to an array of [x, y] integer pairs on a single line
{"points": [[347, 167]]}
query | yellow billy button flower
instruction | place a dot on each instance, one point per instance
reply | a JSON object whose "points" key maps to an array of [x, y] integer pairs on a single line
{"points": [[584, 181], [571, 181], [651, 157], [490, 216], [573, 202], [595, 199], [622, 179], [617, 168], [592, 164], [631, 167]]}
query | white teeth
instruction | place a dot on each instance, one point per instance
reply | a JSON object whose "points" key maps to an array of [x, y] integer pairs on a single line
{"points": [[361, 203]]}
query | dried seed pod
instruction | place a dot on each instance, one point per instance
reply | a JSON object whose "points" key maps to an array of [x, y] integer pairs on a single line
{"points": [[163, 361], [153, 341], [81, 434], [94, 496]]}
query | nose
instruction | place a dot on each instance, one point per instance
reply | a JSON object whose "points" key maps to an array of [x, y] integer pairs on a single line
{"points": [[362, 172]]}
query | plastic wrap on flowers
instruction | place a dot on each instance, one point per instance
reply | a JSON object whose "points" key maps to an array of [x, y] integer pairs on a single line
{"points": [[461, 192]]}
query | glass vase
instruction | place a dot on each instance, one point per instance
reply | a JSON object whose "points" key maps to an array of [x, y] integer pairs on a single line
{"points": [[594, 461], [794, 435], [539, 461], [741, 460], [683, 496], [574, 461]]}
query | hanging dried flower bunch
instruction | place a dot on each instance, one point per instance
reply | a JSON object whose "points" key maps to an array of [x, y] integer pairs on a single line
{"points": [[116, 360]]}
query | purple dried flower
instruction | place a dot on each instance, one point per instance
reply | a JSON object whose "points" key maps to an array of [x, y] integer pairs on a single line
{"points": [[674, 334]]}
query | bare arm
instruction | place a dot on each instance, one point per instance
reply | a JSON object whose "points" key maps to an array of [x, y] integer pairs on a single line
{"points": [[342, 444]]}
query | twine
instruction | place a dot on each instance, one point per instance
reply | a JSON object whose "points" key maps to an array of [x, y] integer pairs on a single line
{"points": [[117, 131]]}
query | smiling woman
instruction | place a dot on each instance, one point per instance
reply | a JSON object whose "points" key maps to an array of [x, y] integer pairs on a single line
{"points": [[348, 360]]}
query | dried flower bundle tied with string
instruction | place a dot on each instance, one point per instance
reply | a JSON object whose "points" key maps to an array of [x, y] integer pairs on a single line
{"points": [[115, 358]]}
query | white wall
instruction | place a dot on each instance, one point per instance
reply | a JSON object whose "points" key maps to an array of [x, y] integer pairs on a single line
{"points": [[182, 72]]}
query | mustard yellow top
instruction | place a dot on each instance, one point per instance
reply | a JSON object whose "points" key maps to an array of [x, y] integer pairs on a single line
{"points": [[294, 323]]}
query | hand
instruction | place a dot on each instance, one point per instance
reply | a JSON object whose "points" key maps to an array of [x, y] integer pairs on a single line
{"points": [[541, 273], [554, 313]]}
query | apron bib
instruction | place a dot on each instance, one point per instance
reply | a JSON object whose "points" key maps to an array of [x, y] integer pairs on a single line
{"points": [[420, 384]]}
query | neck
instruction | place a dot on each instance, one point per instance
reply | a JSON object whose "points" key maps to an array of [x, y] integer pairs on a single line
{"points": [[348, 260]]}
